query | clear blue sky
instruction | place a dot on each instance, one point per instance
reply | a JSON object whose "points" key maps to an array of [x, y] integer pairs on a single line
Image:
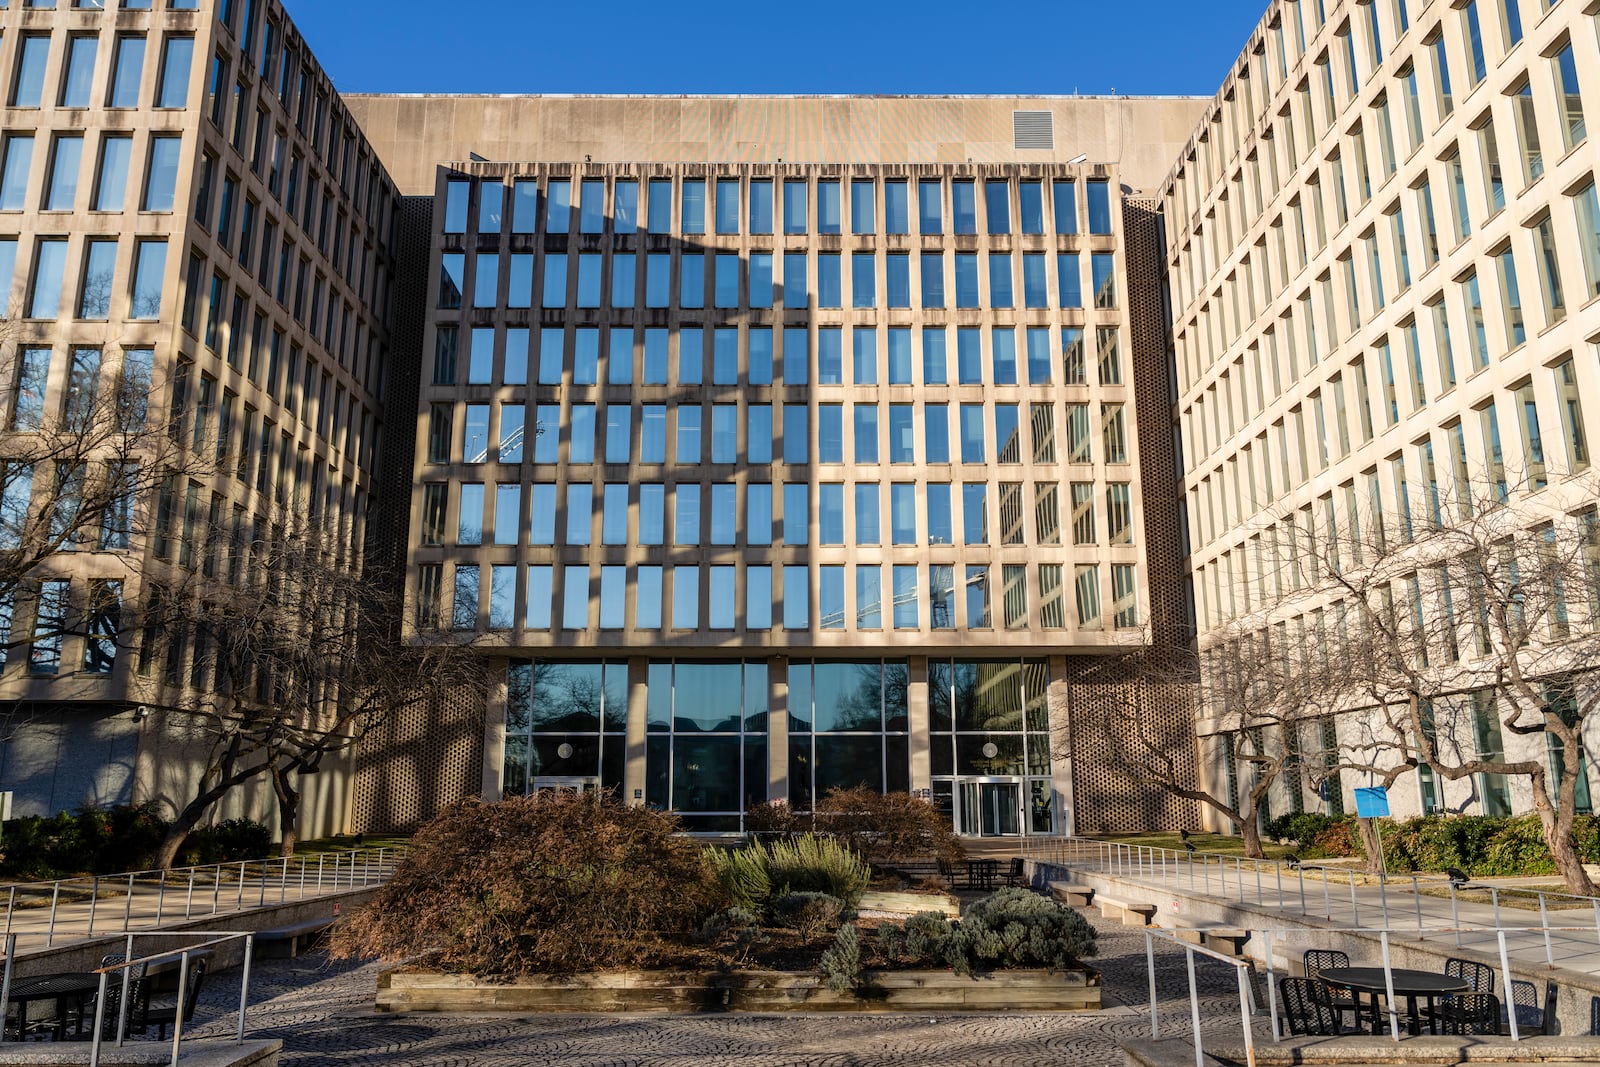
{"points": [[777, 46]]}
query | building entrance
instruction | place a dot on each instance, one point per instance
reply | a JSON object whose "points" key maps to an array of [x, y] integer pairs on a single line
{"points": [[990, 807]]}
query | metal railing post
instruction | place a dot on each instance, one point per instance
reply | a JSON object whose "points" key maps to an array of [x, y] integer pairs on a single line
{"points": [[216, 888], [1388, 983], [1244, 1017], [321, 857], [302, 877], [1194, 1011], [1416, 895], [11, 907], [99, 1020], [127, 975], [177, 1017], [1272, 988], [1544, 921], [244, 986], [1494, 898], [261, 902], [1150, 968], [1455, 912], [1327, 895], [1383, 896], [161, 897], [127, 910], [1505, 971], [283, 882], [94, 900], [55, 900], [11, 955], [238, 903], [188, 901], [1355, 908], [1594, 904]]}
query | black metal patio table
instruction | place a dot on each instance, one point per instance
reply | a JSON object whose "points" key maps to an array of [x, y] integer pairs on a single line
{"points": [[68, 990], [1369, 982], [981, 874]]}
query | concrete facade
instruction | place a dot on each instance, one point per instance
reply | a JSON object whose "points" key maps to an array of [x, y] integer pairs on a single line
{"points": [[188, 203], [1383, 256]]}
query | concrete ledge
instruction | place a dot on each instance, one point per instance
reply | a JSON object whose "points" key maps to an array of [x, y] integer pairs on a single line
{"points": [[891, 903], [1365, 1051], [206, 1053], [759, 991]]}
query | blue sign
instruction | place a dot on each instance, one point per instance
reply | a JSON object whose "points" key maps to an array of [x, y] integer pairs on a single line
{"points": [[1372, 802]]}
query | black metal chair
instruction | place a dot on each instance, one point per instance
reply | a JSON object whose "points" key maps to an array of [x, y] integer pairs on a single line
{"points": [[1533, 1015], [1468, 1014], [137, 1012], [1317, 960], [1015, 874], [1480, 976], [1594, 1016], [1309, 1008], [167, 1015]]}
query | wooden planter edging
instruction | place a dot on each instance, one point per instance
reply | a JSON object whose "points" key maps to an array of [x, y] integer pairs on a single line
{"points": [[755, 991]]}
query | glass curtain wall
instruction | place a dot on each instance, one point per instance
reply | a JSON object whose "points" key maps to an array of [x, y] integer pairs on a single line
{"points": [[565, 721], [991, 720], [706, 754], [847, 727]]}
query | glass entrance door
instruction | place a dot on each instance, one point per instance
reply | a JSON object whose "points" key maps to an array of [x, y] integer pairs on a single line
{"points": [[991, 807]]}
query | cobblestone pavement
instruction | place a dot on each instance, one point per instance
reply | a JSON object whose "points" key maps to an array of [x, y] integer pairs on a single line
{"points": [[322, 1012]]}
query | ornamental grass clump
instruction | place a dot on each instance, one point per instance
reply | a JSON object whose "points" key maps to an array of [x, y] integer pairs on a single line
{"points": [[556, 883], [816, 864]]}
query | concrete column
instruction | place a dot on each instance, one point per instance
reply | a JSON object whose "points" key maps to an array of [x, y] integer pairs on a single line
{"points": [[634, 775], [1062, 754], [494, 735], [917, 713], [778, 728]]}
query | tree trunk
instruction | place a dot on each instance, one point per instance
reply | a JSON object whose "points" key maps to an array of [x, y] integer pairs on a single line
{"points": [[1371, 844], [1569, 864], [180, 828], [1250, 830], [288, 811]]}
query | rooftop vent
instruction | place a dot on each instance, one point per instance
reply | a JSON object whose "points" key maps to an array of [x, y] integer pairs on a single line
{"points": [[1033, 129]]}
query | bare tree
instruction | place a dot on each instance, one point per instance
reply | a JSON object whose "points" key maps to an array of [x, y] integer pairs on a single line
{"points": [[1433, 637], [279, 649], [1261, 706]]}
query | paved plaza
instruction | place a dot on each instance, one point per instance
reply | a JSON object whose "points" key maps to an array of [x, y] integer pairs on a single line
{"points": [[322, 1012]]}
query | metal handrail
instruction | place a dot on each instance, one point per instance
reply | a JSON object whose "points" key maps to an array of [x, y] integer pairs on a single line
{"points": [[1246, 996], [1167, 866], [295, 877], [126, 968]]}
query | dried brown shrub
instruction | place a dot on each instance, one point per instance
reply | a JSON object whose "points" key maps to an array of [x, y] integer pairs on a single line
{"points": [[886, 827], [555, 883]]}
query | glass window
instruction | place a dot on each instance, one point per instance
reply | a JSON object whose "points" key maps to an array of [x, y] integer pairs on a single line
{"points": [[903, 513], [796, 439], [692, 280], [685, 598], [964, 207], [761, 207], [796, 598], [727, 205], [1003, 355], [625, 209], [863, 280], [934, 370], [1102, 268], [127, 71], [997, 204], [1099, 199], [930, 205], [828, 207], [177, 57], [161, 174], [796, 514], [897, 279], [79, 78], [829, 291], [966, 279], [794, 206], [647, 599], [652, 514], [591, 206], [1066, 206], [761, 291], [1068, 280], [558, 206], [969, 356], [61, 191], [14, 180], [49, 267], [972, 433], [149, 272], [693, 208], [575, 597], [686, 514], [758, 513], [932, 279], [867, 511], [33, 54], [99, 265], [863, 206], [974, 514], [660, 220], [1569, 98], [936, 433], [896, 207], [1000, 280], [1035, 293]]}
